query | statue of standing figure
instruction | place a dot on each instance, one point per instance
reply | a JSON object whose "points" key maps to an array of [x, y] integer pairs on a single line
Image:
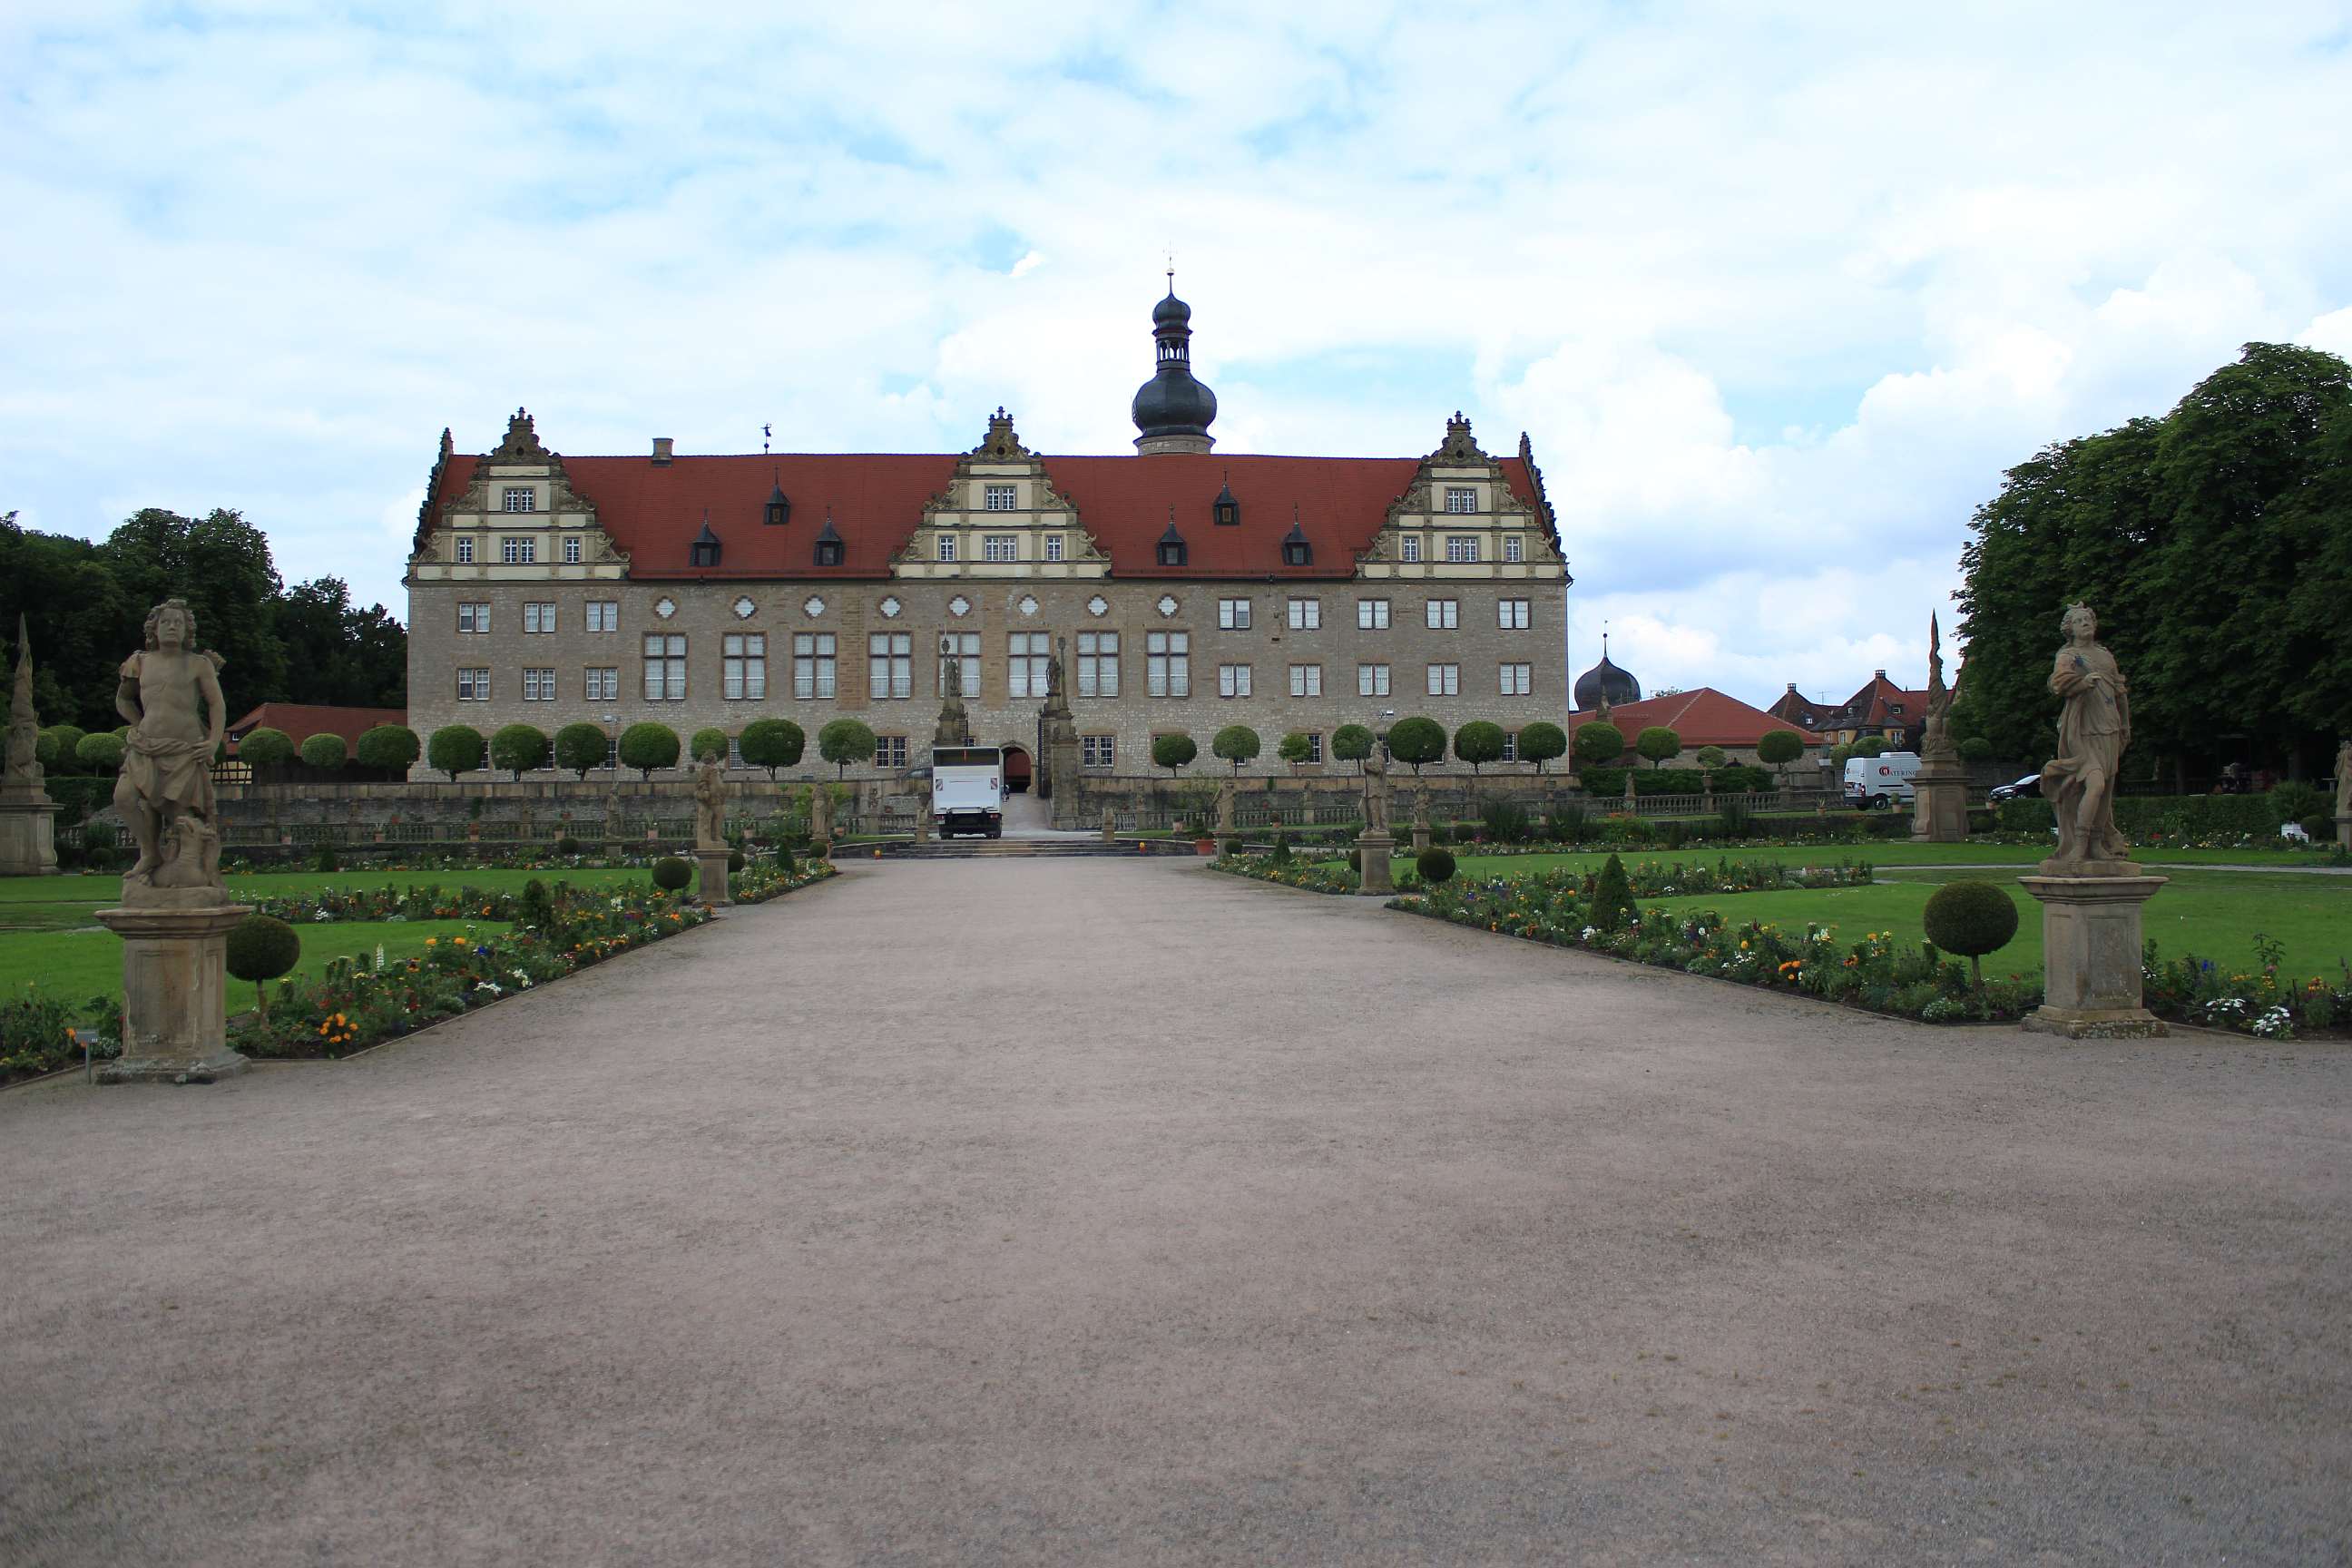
{"points": [[1224, 806], [171, 696], [821, 816], [1376, 791], [1937, 744], [2093, 731], [710, 804]]}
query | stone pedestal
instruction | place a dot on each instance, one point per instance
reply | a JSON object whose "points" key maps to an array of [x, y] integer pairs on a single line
{"points": [[1939, 813], [2091, 954], [1110, 826], [174, 987], [712, 889], [1376, 849], [922, 822], [29, 845]]}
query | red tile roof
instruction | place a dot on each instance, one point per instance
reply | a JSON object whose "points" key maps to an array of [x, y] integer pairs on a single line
{"points": [[652, 512], [303, 720], [1702, 717]]}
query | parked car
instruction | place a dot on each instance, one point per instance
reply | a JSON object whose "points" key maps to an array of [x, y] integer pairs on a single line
{"points": [[1880, 783], [2027, 788]]}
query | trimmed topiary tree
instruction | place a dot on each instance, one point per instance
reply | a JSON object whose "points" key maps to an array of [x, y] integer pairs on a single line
{"points": [[1542, 742], [1235, 743], [325, 751], [672, 874], [1173, 751], [55, 747], [1970, 917], [100, 753], [260, 948], [391, 747], [266, 748], [1612, 898], [1976, 749], [772, 743], [1435, 865], [580, 747], [1295, 748], [1598, 744], [454, 750], [1779, 748], [844, 741], [1353, 744], [1711, 757], [647, 746], [1870, 746], [710, 742], [1417, 743], [1659, 744], [519, 748], [1479, 742]]}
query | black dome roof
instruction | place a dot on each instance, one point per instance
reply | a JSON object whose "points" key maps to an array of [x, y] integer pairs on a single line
{"points": [[1173, 404], [1172, 311], [1606, 681]]}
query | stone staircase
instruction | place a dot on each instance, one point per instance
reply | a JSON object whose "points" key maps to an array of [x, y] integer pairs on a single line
{"points": [[1021, 848]]}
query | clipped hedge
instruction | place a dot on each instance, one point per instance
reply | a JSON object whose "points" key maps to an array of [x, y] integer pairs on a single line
{"points": [[1738, 779], [2142, 817]]}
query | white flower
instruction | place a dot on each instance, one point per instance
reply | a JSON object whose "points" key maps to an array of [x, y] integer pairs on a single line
{"points": [[1589, 932], [492, 989], [322, 915], [524, 976]]}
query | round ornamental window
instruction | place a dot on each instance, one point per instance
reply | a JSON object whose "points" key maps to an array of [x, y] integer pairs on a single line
{"points": [[1167, 604], [745, 608], [664, 608], [813, 606], [1098, 605], [1028, 606], [959, 606], [890, 608]]}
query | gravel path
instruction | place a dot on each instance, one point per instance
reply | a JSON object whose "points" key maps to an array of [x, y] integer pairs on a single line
{"points": [[1101, 1211]]}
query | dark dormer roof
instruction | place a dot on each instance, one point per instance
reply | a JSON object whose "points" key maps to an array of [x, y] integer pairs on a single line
{"points": [[1226, 509], [827, 534], [1295, 549], [1172, 536], [780, 505], [705, 549], [829, 549]]}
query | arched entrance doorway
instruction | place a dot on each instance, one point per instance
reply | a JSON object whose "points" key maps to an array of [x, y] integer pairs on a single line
{"points": [[1017, 770]]}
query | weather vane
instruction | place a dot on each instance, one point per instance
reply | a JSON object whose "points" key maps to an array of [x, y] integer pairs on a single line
{"points": [[766, 432]]}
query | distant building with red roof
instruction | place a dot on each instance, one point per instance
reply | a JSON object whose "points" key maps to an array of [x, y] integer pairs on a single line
{"points": [[1702, 717], [1881, 708], [303, 720]]}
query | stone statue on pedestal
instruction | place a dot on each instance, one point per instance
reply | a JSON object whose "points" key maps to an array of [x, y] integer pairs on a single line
{"points": [[710, 805], [2093, 731], [24, 724], [821, 816], [171, 696], [2344, 792], [28, 815], [954, 726], [1224, 806], [1376, 792], [1941, 789], [1935, 744]]}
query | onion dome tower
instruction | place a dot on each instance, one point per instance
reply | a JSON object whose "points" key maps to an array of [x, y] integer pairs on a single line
{"points": [[1604, 683], [1172, 411]]}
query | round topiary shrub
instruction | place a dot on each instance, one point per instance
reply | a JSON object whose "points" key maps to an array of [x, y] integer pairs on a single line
{"points": [[734, 860], [567, 845], [1972, 919], [671, 874], [260, 948], [784, 860], [1435, 865]]}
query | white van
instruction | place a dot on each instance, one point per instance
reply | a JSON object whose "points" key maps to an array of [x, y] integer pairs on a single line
{"points": [[1880, 783], [967, 790]]}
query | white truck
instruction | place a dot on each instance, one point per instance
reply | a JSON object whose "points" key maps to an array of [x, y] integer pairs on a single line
{"points": [[1880, 783], [967, 790]]}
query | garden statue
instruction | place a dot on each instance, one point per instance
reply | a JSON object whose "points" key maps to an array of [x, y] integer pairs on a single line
{"points": [[710, 804], [1054, 675], [1376, 791], [821, 817], [28, 815], [1936, 743], [1110, 824], [171, 696], [1939, 800], [2094, 731], [2344, 792], [1224, 808], [954, 728], [24, 724]]}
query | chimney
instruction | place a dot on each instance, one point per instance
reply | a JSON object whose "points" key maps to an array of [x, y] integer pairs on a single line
{"points": [[664, 458], [661, 461], [1792, 688]]}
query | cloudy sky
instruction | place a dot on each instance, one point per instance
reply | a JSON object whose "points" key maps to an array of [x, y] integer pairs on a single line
{"points": [[1776, 291]]}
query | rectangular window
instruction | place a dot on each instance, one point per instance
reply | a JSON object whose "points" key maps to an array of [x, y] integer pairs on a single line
{"points": [[1305, 614], [946, 547], [1053, 547], [1460, 499], [889, 751], [1410, 546], [612, 752], [465, 550], [1098, 750], [1098, 664], [1372, 680], [572, 549], [665, 668], [1025, 668], [743, 667], [1444, 615], [517, 498], [1372, 615], [1511, 615], [964, 648], [1233, 680], [1314, 745], [1307, 680], [1517, 679], [1510, 745], [517, 551], [1514, 547], [601, 685], [1444, 681], [475, 617], [473, 685], [999, 547], [1461, 547], [1002, 498], [538, 617], [813, 666], [1168, 663], [603, 614], [1232, 615], [890, 666], [539, 686]]}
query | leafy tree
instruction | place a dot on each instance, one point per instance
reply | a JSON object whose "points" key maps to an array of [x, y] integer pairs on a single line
{"points": [[1353, 744], [453, 750], [1173, 751], [101, 752], [1542, 742], [220, 565], [1659, 744], [260, 948], [1711, 757], [708, 742], [1871, 746], [580, 747], [1235, 743], [772, 743], [844, 741], [1479, 742], [1598, 744], [1779, 748], [1417, 743], [337, 652], [58, 746], [324, 751], [1295, 748], [647, 746], [519, 748], [266, 748], [391, 747]]}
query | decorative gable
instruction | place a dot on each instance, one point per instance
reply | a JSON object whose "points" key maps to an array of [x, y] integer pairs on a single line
{"points": [[999, 516], [1460, 518], [516, 516]]}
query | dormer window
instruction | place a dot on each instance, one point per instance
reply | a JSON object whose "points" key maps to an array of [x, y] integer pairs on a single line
{"points": [[1296, 551], [828, 545], [706, 546], [518, 498], [1225, 510], [779, 508], [1172, 547]]}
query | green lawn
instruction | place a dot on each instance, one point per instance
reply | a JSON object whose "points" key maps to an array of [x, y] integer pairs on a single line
{"points": [[98, 892], [78, 964], [1891, 854]]}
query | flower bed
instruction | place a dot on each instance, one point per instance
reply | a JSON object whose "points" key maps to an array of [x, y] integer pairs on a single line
{"points": [[1314, 876], [757, 883], [2254, 1000], [1649, 878]]}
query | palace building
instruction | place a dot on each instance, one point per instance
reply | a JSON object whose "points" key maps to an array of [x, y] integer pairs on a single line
{"points": [[1184, 590]]}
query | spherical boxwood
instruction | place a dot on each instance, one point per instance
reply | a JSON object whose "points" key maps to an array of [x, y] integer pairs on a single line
{"points": [[708, 742], [391, 747], [1173, 751], [100, 753], [580, 747], [1972, 919], [1235, 743], [672, 874], [1478, 743], [647, 746], [1976, 749], [324, 751], [1435, 865], [266, 748], [261, 949], [1417, 741], [1541, 743], [734, 860], [1779, 748], [772, 743], [453, 750]]}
